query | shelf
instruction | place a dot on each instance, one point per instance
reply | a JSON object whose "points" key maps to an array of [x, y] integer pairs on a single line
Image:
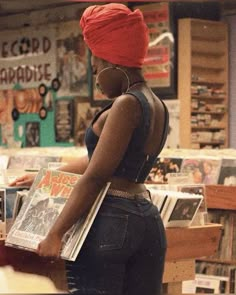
{"points": [[208, 30], [220, 197], [207, 112], [207, 48], [206, 38], [208, 128], [184, 246], [192, 242], [183, 243], [220, 261], [208, 97], [207, 68], [208, 142], [202, 75], [207, 82], [29, 262], [206, 52]]}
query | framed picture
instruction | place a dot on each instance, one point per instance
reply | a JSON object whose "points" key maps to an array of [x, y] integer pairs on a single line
{"points": [[160, 62], [72, 61], [84, 113], [32, 134], [64, 120]]}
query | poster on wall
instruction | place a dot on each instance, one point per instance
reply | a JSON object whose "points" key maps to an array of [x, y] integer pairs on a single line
{"points": [[32, 134], [158, 66], [172, 140], [64, 120], [84, 114], [27, 100], [72, 60], [28, 57], [6, 122]]}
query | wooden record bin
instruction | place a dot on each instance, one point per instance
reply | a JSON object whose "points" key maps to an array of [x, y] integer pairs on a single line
{"points": [[184, 246]]}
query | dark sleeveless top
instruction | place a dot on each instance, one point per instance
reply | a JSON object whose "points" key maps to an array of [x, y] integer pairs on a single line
{"points": [[135, 164]]}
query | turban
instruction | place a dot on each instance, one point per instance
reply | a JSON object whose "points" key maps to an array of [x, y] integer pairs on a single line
{"points": [[116, 34]]}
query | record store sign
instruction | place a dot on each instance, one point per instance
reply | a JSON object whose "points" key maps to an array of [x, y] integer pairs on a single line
{"points": [[27, 57]]}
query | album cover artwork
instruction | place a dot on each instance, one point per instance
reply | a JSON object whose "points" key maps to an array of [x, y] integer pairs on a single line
{"points": [[32, 134]]}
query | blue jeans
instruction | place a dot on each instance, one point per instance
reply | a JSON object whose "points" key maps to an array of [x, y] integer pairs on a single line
{"points": [[124, 251]]}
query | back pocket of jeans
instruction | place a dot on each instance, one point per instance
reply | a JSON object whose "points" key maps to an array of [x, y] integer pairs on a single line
{"points": [[108, 231]]}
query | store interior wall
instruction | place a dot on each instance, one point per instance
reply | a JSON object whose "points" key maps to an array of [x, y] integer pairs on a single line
{"points": [[204, 10]]}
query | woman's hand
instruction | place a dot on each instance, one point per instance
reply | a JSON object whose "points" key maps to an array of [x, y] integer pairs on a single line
{"points": [[50, 246], [25, 180]]}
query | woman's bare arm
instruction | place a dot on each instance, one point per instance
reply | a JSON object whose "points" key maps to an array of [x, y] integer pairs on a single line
{"points": [[78, 166]]}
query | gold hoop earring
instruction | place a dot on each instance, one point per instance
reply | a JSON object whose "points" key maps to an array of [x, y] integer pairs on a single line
{"points": [[97, 76], [126, 75], [115, 68]]}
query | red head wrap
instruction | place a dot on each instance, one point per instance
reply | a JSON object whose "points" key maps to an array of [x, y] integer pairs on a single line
{"points": [[116, 34]]}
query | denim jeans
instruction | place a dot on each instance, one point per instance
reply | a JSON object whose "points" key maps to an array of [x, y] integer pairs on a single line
{"points": [[124, 251]]}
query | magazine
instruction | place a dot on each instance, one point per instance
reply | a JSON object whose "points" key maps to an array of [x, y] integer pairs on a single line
{"points": [[45, 201]]}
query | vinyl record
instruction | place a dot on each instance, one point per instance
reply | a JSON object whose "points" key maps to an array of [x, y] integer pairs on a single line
{"points": [[43, 113], [42, 89], [56, 84], [15, 114]]}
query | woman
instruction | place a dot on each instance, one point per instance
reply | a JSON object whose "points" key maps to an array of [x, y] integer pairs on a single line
{"points": [[125, 249]]}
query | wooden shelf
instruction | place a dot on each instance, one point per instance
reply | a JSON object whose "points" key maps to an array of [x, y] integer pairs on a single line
{"points": [[218, 261], [208, 112], [220, 197], [206, 48], [30, 262], [192, 242], [184, 246], [206, 52], [208, 127], [208, 142], [208, 30], [208, 82], [221, 204], [200, 66], [208, 97], [207, 68]]}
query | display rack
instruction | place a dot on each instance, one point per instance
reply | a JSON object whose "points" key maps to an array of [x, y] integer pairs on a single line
{"points": [[221, 204], [203, 83], [184, 246]]}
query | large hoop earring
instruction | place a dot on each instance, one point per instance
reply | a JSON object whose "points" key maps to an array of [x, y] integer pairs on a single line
{"points": [[115, 68], [126, 75], [96, 80]]}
